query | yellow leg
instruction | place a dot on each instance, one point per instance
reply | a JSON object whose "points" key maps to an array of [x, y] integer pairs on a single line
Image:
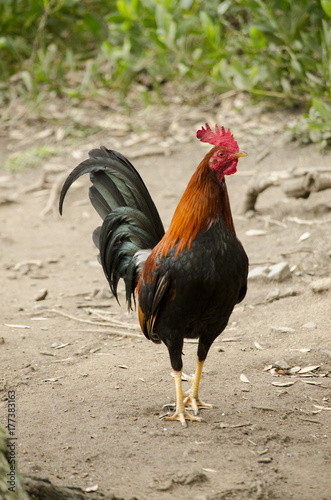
{"points": [[193, 396], [181, 414]]}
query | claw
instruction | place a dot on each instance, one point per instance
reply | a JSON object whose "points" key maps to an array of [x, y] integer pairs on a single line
{"points": [[196, 404], [182, 416], [169, 405], [189, 398]]}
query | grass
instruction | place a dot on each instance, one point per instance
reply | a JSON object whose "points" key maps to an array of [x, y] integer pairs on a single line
{"points": [[30, 158], [272, 49]]}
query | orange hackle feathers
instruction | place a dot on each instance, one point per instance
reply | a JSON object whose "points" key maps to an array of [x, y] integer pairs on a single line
{"points": [[201, 205], [204, 201]]}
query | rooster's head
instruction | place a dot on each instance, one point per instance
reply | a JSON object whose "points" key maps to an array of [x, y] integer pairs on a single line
{"points": [[223, 158]]}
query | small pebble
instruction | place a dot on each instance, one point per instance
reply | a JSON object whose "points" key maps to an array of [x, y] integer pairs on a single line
{"points": [[289, 292], [90, 489], [276, 294], [41, 295], [310, 324], [282, 364], [104, 293], [279, 272], [325, 351], [265, 460], [282, 329], [273, 295], [258, 273], [256, 232], [304, 237], [321, 285]]}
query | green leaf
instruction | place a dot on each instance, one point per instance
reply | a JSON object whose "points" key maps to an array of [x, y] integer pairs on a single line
{"points": [[323, 110], [314, 78], [124, 9], [92, 23], [258, 39], [26, 77], [223, 7], [326, 6], [186, 4]]}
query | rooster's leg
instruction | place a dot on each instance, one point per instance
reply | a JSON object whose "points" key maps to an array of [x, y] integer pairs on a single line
{"points": [[193, 395], [181, 414]]}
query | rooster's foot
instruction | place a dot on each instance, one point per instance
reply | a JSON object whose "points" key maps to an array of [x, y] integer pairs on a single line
{"points": [[182, 416], [196, 404]]}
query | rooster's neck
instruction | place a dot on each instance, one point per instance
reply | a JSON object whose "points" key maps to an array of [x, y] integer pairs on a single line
{"points": [[204, 201]]}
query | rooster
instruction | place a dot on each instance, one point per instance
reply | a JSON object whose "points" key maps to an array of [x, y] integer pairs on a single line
{"points": [[186, 280]]}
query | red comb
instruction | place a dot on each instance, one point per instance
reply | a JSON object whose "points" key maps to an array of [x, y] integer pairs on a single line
{"points": [[217, 138]]}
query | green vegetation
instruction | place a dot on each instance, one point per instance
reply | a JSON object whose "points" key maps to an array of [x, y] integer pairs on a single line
{"points": [[30, 158], [275, 49]]}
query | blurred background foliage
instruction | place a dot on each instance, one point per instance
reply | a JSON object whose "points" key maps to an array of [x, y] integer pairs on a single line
{"points": [[272, 49]]}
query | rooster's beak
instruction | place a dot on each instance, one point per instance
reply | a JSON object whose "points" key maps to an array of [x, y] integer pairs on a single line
{"points": [[240, 154]]}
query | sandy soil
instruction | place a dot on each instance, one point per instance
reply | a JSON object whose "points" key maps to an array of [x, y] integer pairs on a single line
{"points": [[89, 398]]}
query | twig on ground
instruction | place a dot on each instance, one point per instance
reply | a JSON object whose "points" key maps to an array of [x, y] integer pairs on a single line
{"points": [[113, 320], [310, 222], [297, 250], [51, 205], [268, 220], [97, 323], [39, 184], [260, 157]]}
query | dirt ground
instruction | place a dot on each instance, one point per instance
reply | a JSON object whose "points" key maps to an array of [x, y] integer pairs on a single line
{"points": [[89, 398]]}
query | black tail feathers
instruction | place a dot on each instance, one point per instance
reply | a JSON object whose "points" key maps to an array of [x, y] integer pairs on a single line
{"points": [[131, 222]]}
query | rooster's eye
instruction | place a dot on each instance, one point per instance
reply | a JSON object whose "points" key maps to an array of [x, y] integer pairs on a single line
{"points": [[220, 154]]}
